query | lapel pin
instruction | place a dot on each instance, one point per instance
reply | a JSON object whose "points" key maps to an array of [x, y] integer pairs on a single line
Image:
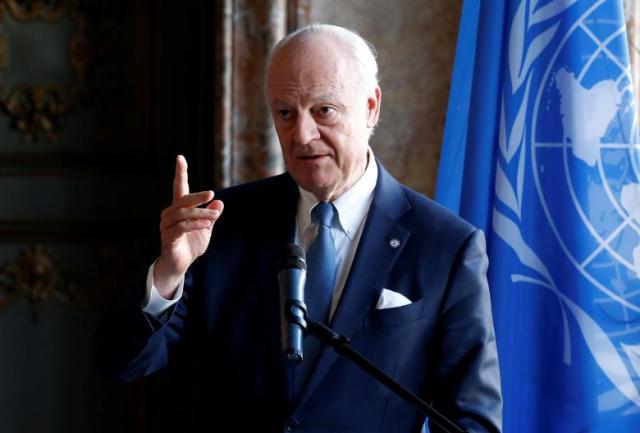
{"points": [[394, 243]]}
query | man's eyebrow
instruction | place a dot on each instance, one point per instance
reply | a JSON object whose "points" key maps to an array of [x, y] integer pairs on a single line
{"points": [[279, 103], [325, 98]]}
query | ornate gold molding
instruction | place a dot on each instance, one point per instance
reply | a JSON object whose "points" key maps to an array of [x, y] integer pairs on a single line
{"points": [[33, 275], [36, 275], [3, 50], [25, 10], [36, 109]]}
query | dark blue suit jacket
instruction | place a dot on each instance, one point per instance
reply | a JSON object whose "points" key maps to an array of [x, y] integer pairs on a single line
{"points": [[441, 346]]}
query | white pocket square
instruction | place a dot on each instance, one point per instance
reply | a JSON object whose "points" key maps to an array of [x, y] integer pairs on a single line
{"points": [[390, 299]]}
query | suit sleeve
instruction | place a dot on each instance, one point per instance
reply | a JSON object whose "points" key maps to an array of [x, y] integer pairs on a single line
{"points": [[468, 374], [129, 343]]}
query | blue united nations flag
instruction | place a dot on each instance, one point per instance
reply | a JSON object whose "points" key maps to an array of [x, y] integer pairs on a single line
{"points": [[541, 150]]}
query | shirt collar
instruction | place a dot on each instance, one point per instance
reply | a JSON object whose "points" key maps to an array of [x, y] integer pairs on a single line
{"points": [[352, 205]]}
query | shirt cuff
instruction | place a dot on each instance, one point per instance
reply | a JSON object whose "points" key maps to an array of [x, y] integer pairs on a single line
{"points": [[155, 305]]}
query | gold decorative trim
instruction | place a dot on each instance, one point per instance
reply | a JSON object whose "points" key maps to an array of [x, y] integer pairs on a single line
{"points": [[34, 275], [36, 109], [27, 10], [79, 54], [3, 50]]}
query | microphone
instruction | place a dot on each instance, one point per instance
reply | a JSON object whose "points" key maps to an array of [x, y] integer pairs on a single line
{"points": [[292, 274]]}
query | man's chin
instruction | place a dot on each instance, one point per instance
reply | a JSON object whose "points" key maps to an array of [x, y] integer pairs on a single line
{"points": [[320, 189]]}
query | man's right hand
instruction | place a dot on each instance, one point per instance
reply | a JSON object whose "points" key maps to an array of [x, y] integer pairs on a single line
{"points": [[185, 231]]}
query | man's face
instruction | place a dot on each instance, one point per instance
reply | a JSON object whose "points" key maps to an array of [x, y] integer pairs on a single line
{"points": [[321, 115]]}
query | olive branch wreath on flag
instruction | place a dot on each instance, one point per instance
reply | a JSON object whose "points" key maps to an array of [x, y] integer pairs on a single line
{"points": [[509, 181]]}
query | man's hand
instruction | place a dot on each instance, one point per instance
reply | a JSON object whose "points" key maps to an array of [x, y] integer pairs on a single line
{"points": [[185, 231]]}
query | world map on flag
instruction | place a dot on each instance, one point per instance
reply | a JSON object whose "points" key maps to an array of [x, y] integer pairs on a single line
{"points": [[586, 165]]}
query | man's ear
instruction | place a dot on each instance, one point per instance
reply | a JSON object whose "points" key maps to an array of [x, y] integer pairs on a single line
{"points": [[373, 107]]}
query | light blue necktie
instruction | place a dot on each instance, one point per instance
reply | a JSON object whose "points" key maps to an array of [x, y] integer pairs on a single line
{"points": [[321, 265], [321, 271]]}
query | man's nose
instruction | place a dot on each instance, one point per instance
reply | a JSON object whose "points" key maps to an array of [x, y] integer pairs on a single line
{"points": [[306, 129]]}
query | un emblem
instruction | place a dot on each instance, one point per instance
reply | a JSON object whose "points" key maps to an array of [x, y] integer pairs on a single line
{"points": [[587, 164], [569, 135]]}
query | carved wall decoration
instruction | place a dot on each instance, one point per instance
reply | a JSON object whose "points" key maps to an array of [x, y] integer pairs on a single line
{"points": [[37, 276], [96, 75], [36, 109], [24, 10], [33, 275]]}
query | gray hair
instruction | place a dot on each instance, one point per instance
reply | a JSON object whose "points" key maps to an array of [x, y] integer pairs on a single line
{"points": [[363, 51]]}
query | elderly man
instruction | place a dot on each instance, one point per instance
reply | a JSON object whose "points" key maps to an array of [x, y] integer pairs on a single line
{"points": [[398, 274]]}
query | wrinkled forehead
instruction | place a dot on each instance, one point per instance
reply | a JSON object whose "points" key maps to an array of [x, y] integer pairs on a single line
{"points": [[311, 59]]}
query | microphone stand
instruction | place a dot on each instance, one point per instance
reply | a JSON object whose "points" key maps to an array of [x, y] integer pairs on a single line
{"points": [[296, 313]]}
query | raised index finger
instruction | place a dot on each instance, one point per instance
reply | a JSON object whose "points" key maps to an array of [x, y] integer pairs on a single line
{"points": [[181, 179]]}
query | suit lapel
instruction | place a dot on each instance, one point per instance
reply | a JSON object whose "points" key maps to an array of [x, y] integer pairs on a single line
{"points": [[374, 258]]}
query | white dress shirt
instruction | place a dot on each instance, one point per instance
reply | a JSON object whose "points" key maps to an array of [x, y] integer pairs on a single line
{"points": [[352, 207]]}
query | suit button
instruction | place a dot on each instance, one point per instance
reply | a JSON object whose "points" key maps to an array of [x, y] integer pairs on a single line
{"points": [[293, 424]]}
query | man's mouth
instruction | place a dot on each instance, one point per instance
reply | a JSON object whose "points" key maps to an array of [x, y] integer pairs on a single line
{"points": [[313, 157]]}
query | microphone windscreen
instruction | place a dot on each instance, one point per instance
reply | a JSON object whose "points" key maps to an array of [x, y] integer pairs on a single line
{"points": [[292, 256]]}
